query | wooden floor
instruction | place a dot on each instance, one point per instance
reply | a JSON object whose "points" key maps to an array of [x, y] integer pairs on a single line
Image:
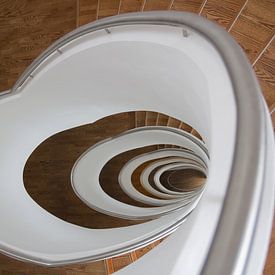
{"points": [[10, 266], [27, 27], [47, 173]]}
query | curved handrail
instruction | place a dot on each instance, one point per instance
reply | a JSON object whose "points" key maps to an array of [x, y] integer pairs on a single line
{"points": [[165, 168], [89, 190], [124, 177], [240, 209]]}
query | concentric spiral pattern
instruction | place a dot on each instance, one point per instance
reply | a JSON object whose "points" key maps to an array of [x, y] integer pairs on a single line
{"points": [[170, 63], [192, 155]]}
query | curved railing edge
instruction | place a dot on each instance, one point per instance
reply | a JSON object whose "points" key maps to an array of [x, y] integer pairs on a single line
{"points": [[246, 166]]}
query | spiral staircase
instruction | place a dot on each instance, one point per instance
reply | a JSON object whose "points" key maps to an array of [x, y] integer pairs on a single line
{"points": [[198, 114]]}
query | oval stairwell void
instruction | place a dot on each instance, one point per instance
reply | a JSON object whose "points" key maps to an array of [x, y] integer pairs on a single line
{"points": [[204, 112]]}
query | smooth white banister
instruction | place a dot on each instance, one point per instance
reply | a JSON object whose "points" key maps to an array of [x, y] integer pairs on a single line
{"points": [[144, 62]]}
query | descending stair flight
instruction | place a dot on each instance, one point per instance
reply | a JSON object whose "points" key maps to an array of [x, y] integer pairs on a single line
{"points": [[168, 62]]}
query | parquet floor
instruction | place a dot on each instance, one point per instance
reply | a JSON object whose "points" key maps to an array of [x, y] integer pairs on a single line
{"points": [[27, 27]]}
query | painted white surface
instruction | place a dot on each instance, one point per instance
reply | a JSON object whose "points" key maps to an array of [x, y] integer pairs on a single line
{"points": [[169, 167], [133, 68], [86, 180], [128, 169], [146, 184]]}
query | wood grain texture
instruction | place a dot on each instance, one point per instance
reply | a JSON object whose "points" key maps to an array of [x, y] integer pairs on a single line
{"points": [[116, 263], [48, 169], [196, 134], [87, 11], [222, 12], [186, 127], [9, 266], [190, 6], [140, 118], [270, 261], [109, 176], [26, 29], [119, 262], [130, 5], [173, 122], [265, 71], [108, 8], [255, 27], [151, 118], [162, 120], [186, 179], [151, 5], [136, 180]]}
